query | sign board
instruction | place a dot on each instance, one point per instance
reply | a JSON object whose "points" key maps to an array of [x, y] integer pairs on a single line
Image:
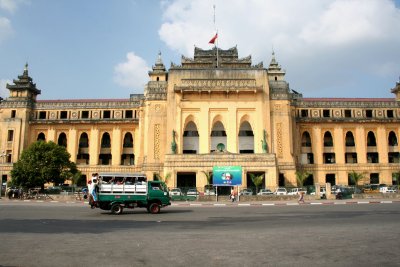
{"points": [[227, 175]]}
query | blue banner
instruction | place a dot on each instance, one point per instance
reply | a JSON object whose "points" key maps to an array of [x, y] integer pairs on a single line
{"points": [[227, 175]]}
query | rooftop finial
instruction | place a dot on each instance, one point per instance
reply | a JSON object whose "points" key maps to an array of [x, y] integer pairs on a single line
{"points": [[159, 59], [26, 69]]}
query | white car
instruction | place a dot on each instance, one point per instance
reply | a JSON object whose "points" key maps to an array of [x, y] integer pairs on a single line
{"points": [[297, 191], [175, 192], [246, 192], [392, 189], [280, 191], [322, 192], [209, 192], [265, 192], [192, 192]]}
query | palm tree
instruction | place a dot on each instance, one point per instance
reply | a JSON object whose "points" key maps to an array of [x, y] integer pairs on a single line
{"points": [[165, 179], [257, 180], [396, 177], [301, 177], [208, 177], [356, 177]]}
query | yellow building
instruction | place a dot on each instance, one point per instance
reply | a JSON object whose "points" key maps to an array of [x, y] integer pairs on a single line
{"points": [[215, 109]]}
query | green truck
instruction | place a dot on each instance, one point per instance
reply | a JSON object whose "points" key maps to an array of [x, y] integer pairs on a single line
{"points": [[152, 195]]}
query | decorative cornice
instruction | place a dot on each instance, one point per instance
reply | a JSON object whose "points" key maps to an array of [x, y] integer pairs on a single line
{"points": [[347, 104], [87, 105]]}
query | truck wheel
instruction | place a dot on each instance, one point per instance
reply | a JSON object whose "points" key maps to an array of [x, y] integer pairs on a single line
{"points": [[154, 208], [116, 209]]}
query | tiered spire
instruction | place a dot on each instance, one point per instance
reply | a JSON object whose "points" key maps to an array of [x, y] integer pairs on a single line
{"points": [[396, 90], [275, 71], [23, 83]]}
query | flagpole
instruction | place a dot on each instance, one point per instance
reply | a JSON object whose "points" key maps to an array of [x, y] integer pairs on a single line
{"points": [[216, 43]]}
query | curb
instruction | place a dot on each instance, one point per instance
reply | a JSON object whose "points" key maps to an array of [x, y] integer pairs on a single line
{"points": [[282, 203], [229, 204]]}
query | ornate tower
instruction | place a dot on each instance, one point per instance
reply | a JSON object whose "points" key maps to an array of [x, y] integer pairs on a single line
{"points": [[17, 111], [396, 90]]}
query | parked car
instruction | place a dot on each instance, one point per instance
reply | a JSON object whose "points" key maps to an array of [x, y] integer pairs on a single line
{"points": [[209, 190], [371, 188], [297, 191], [383, 188], [280, 191], [392, 189], [265, 192], [246, 192], [192, 192], [322, 192], [175, 192]]}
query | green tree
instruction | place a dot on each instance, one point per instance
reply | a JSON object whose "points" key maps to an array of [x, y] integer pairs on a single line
{"points": [[209, 176], [396, 177], [43, 162], [257, 180], [165, 179], [301, 177], [356, 177]]}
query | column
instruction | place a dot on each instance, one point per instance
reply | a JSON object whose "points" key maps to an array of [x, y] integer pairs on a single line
{"points": [[204, 131], [231, 130], [382, 145], [116, 145], [72, 143], [361, 145], [94, 144]]}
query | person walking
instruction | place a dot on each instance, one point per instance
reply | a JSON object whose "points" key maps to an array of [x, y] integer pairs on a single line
{"points": [[301, 197], [232, 196]]}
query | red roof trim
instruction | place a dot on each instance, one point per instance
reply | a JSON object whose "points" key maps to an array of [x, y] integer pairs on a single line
{"points": [[351, 99], [83, 100]]}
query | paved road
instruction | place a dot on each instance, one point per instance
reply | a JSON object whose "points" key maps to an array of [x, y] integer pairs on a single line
{"points": [[65, 234]]}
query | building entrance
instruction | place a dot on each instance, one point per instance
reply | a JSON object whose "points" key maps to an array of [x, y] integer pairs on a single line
{"points": [[330, 178], [186, 180]]}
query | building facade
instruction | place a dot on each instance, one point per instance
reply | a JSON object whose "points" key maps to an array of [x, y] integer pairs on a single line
{"points": [[214, 109]]}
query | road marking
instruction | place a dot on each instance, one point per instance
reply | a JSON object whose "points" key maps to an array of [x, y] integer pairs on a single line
{"points": [[195, 204], [387, 202], [362, 202], [219, 204], [339, 203], [244, 204], [292, 204], [268, 204]]}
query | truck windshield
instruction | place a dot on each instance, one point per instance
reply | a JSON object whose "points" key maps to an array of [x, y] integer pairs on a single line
{"points": [[159, 186]]}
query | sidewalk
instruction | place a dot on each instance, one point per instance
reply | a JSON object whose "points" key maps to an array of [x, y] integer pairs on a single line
{"points": [[285, 202], [196, 203]]}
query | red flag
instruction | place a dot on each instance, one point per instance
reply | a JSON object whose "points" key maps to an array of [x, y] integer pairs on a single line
{"points": [[212, 41]]}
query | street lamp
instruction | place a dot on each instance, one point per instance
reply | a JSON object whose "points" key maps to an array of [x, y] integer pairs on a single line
{"points": [[3, 156]]}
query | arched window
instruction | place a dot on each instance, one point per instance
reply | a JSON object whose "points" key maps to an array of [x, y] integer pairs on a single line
{"points": [[218, 136], [83, 140], [128, 140], [246, 138], [392, 141], [106, 140], [306, 139], [41, 137], [190, 139], [350, 139], [371, 141], [328, 140], [62, 140]]}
